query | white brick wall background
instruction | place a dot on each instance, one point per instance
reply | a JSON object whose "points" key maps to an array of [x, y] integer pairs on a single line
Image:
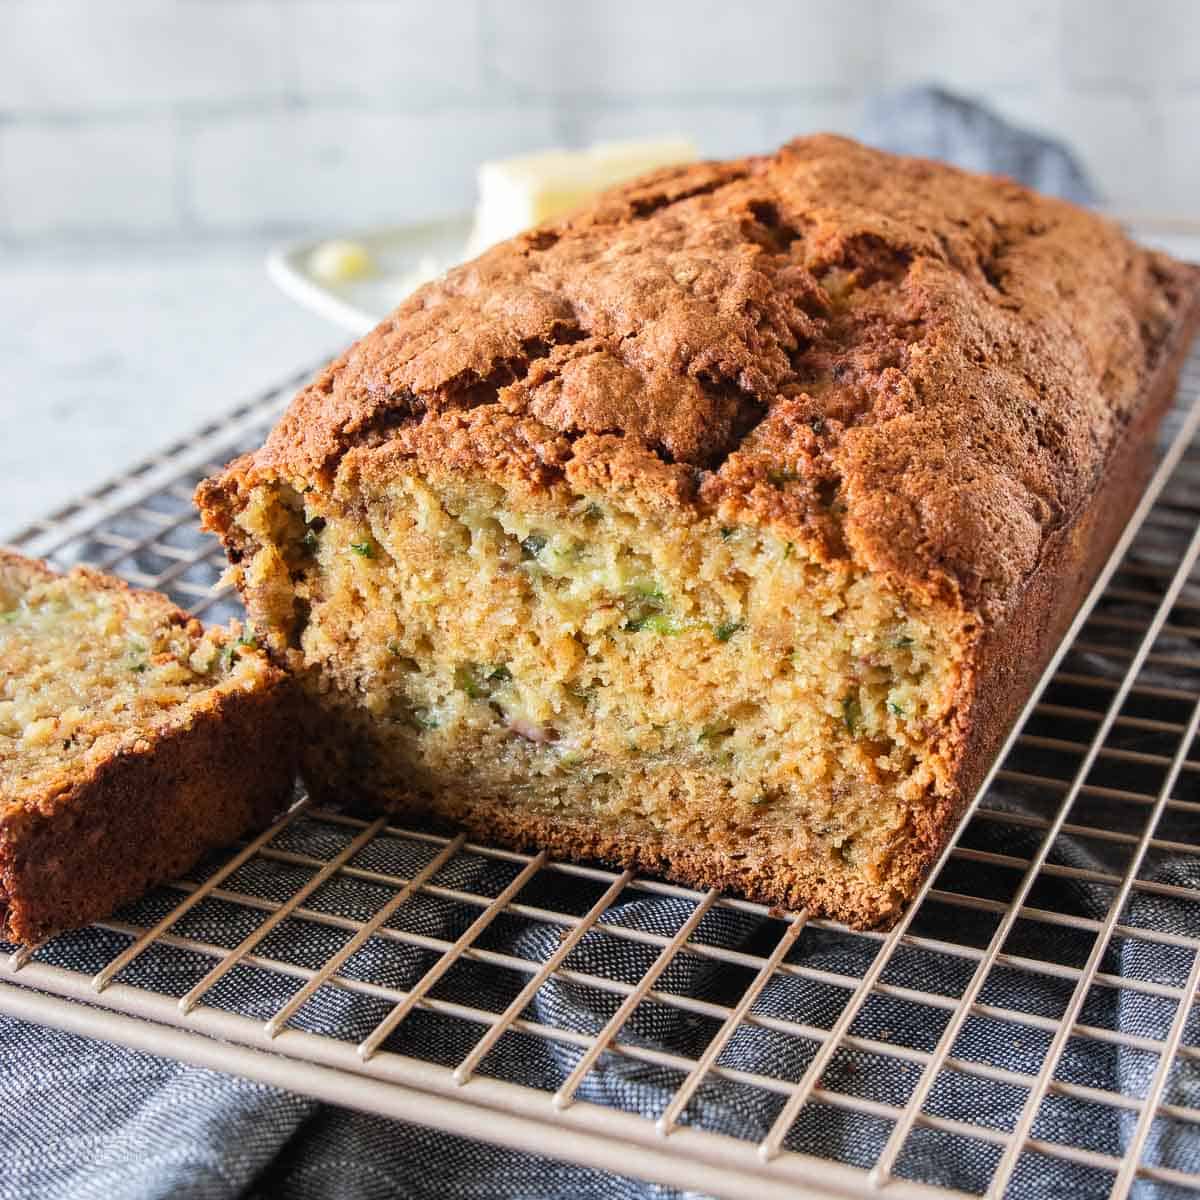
{"points": [[148, 119]]}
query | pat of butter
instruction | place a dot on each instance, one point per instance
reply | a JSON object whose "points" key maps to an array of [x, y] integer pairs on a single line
{"points": [[340, 261], [517, 193]]}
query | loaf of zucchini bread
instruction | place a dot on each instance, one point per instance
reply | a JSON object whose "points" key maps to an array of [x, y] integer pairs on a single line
{"points": [[132, 741], [720, 528]]}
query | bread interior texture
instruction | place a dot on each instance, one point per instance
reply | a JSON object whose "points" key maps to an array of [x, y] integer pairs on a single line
{"points": [[86, 667], [681, 683]]}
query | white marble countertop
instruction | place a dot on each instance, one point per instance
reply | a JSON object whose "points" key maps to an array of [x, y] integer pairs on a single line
{"points": [[110, 353]]}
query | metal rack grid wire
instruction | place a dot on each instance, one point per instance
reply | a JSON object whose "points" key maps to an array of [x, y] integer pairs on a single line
{"points": [[1051, 960]]}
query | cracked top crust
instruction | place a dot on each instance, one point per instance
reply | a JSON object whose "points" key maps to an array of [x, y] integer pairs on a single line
{"points": [[919, 368]]}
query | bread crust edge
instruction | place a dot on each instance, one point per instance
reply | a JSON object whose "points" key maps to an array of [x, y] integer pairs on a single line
{"points": [[79, 848]]}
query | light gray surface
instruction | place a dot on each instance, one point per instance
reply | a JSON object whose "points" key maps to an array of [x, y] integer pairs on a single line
{"points": [[150, 118], [109, 355]]}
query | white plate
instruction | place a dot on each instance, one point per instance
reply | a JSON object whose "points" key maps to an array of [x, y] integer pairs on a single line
{"points": [[397, 251]]}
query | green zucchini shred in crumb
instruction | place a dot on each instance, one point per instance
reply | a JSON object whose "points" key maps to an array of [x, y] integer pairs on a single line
{"points": [[779, 478], [726, 629], [711, 734], [647, 608], [851, 713], [364, 549], [465, 680], [658, 622], [311, 540], [9, 617], [727, 533], [903, 642], [649, 591], [895, 709], [246, 640], [422, 719], [478, 681], [533, 545]]}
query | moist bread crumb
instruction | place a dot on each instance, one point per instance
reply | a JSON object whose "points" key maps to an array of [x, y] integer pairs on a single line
{"points": [[721, 528], [132, 741]]}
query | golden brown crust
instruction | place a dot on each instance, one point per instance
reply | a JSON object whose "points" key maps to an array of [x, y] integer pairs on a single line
{"points": [[943, 378], [79, 841], [1011, 655], [921, 367]]}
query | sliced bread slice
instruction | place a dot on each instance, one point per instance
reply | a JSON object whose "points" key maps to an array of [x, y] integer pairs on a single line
{"points": [[132, 741]]}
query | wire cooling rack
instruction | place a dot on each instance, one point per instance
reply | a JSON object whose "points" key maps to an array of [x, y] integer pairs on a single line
{"points": [[1031, 1024]]}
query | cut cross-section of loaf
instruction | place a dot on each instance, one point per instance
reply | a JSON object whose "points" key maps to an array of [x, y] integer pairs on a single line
{"points": [[132, 741], [720, 528]]}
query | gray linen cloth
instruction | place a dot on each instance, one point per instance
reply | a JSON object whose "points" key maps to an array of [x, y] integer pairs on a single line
{"points": [[90, 1120]]}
